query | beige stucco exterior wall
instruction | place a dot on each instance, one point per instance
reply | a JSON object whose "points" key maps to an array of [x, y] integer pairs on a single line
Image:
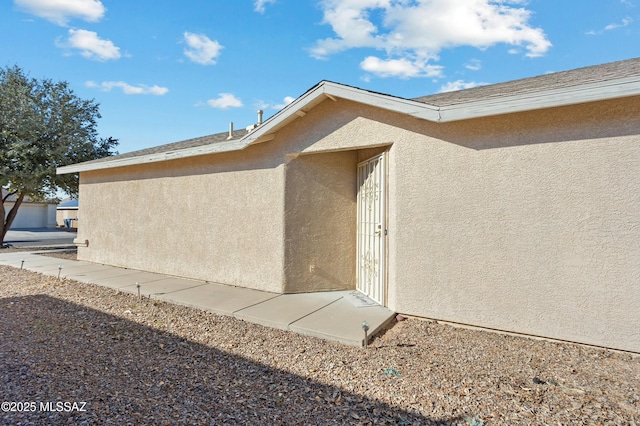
{"points": [[324, 149], [279, 216], [216, 218], [527, 222], [320, 211]]}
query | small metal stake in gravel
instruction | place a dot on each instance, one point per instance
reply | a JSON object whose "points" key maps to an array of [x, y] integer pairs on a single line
{"points": [[365, 327], [138, 285], [59, 270], [21, 263]]}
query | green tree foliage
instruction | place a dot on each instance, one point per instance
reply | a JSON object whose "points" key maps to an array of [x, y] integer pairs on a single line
{"points": [[43, 125]]}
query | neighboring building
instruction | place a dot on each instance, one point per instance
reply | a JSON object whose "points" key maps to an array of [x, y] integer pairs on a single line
{"points": [[513, 207], [67, 214], [32, 214]]}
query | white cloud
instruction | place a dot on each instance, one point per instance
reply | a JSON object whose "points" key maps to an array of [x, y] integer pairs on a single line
{"points": [[459, 85], [224, 101], [625, 22], [403, 68], [473, 65], [260, 5], [201, 49], [286, 101], [61, 11], [128, 89], [90, 45], [275, 106], [414, 32], [261, 105]]}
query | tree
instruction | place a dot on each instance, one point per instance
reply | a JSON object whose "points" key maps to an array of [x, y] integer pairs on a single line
{"points": [[43, 125]]}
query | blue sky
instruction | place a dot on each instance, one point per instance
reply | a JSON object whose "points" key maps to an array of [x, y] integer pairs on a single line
{"points": [[166, 70]]}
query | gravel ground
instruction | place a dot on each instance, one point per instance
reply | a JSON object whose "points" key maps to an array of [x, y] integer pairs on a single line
{"points": [[154, 363]]}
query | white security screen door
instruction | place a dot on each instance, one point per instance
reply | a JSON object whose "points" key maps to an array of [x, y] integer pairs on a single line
{"points": [[370, 268]]}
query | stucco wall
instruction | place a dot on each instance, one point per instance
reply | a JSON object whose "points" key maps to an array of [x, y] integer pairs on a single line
{"points": [[320, 226], [527, 223], [216, 218], [321, 191]]}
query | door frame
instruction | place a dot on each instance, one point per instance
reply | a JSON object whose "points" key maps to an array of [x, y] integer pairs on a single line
{"points": [[377, 266]]}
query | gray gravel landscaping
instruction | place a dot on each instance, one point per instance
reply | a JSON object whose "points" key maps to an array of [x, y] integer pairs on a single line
{"points": [[154, 363]]}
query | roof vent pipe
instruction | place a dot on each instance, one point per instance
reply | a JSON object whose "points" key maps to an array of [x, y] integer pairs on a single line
{"points": [[259, 117], [230, 131]]}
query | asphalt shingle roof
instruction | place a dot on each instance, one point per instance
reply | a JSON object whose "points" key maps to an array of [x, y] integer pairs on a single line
{"points": [[174, 146], [558, 80]]}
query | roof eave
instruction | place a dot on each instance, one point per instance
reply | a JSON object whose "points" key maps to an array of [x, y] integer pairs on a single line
{"points": [[232, 145], [334, 91], [590, 92], [324, 90]]}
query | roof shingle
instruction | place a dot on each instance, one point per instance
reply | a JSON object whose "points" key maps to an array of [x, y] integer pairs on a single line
{"points": [[174, 146], [557, 80]]}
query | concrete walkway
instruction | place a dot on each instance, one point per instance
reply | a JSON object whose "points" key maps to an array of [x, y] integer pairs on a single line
{"points": [[331, 315]]}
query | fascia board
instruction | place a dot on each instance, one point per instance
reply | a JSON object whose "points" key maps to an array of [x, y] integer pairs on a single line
{"points": [[391, 103], [327, 89], [218, 147], [536, 100], [285, 115], [267, 128], [544, 99]]}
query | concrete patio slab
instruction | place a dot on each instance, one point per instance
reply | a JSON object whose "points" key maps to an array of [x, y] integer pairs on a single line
{"points": [[68, 268], [80, 273], [10, 255], [95, 277], [327, 315], [285, 309], [128, 282], [30, 260], [167, 285], [218, 298], [12, 259], [342, 322], [41, 261], [53, 270]]}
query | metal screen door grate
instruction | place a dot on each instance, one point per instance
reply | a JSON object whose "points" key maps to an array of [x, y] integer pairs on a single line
{"points": [[370, 268]]}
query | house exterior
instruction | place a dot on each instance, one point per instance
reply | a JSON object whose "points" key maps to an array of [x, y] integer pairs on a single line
{"points": [[513, 207], [67, 214], [32, 214]]}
